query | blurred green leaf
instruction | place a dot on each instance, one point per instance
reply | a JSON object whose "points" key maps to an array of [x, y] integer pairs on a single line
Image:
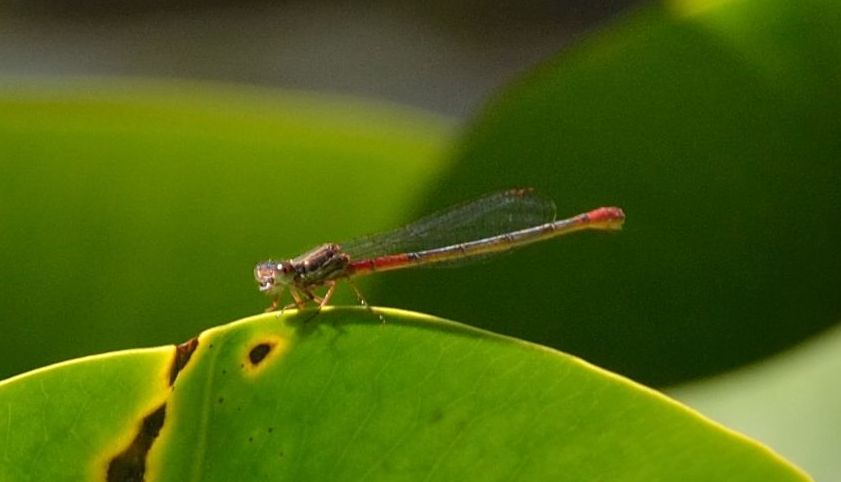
{"points": [[715, 125], [132, 213], [345, 397], [790, 402]]}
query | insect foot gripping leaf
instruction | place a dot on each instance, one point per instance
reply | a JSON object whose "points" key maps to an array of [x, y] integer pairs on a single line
{"points": [[273, 397]]}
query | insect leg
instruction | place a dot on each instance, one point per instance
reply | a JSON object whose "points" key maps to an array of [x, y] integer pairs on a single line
{"points": [[328, 295], [363, 301], [275, 302], [297, 297]]}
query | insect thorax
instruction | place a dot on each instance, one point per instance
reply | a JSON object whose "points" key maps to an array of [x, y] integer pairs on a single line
{"points": [[320, 264]]}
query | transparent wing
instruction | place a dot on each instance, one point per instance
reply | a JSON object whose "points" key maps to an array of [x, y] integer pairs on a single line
{"points": [[487, 216]]}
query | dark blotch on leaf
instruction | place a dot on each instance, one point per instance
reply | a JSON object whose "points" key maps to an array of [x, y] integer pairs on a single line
{"points": [[183, 352], [259, 352], [130, 464]]}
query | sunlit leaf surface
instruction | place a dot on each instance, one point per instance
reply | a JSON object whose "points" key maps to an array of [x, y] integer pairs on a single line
{"points": [[343, 396]]}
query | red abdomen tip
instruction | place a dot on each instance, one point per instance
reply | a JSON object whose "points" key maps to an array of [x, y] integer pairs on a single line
{"points": [[611, 217]]}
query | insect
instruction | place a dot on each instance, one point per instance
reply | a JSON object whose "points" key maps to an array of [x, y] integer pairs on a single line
{"points": [[489, 225]]}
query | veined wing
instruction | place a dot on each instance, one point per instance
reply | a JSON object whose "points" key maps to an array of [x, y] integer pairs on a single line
{"points": [[490, 215]]}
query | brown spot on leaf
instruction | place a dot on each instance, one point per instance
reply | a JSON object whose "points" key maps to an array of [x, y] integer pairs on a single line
{"points": [[130, 464], [183, 352], [259, 352]]}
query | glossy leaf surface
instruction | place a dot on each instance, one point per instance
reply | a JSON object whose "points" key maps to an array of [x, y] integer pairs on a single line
{"points": [[343, 396]]}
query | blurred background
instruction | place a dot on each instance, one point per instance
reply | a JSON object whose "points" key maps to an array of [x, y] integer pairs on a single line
{"points": [[442, 56], [152, 152], [88, 68]]}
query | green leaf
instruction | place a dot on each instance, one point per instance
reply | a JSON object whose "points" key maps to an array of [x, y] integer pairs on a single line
{"points": [[61, 422], [715, 126], [117, 193], [789, 402], [342, 396]]}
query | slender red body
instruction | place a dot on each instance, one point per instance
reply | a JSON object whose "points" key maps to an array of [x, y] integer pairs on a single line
{"points": [[504, 221], [608, 218]]}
